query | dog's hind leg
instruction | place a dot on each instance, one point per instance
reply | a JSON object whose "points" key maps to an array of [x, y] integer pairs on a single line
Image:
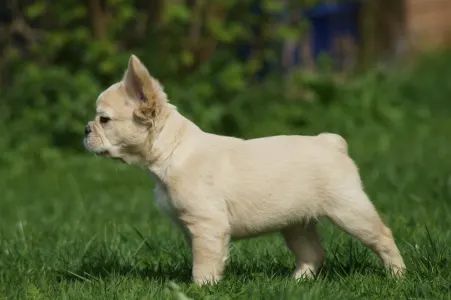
{"points": [[304, 241], [353, 212]]}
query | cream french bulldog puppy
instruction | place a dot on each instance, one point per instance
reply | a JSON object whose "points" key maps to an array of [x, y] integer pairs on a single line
{"points": [[219, 188]]}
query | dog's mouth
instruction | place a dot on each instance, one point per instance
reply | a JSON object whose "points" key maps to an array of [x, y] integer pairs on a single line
{"points": [[104, 153], [107, 154]]}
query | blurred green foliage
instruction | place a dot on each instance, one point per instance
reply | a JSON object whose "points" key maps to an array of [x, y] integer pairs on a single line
{"points": [[58, 56]]}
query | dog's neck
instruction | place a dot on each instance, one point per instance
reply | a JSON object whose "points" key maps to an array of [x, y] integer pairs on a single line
{"points": [[175, 132]]}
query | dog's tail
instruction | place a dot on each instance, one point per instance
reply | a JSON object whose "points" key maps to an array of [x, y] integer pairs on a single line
{"points": [[336, 141]]}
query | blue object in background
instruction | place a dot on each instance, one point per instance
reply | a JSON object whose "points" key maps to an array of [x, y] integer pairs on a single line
{"points": [[328, 21], [331, 21]]}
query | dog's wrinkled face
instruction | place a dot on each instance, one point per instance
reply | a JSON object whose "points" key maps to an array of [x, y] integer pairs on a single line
{"points": [[126, 115]]}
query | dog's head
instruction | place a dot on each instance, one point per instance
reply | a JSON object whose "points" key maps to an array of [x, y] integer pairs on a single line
{"points": [[127, 115]]}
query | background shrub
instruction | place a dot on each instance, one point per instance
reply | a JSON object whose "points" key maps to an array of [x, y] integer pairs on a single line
{"points": [[58, 56]]}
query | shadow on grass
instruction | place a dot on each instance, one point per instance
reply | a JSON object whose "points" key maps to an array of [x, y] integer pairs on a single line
{"points": [[102, 264], [173, 266], [332, 270]]}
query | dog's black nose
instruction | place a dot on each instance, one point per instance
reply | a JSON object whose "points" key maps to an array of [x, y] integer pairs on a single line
{"points": [[87, 130]]}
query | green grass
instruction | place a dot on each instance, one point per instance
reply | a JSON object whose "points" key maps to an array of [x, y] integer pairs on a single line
{"points": [[88, 228]]}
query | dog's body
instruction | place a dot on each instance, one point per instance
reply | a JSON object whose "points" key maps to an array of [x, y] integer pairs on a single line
{"points": [[218, 188]]}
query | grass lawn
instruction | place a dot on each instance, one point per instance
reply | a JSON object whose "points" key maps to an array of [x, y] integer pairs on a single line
{"points": [[88, 228]]}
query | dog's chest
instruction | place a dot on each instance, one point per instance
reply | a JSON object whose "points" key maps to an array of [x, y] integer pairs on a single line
{"points": [[164, 200]]}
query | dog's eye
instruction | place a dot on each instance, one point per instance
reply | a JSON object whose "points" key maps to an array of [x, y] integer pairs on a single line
{"points": [[104, 120]]}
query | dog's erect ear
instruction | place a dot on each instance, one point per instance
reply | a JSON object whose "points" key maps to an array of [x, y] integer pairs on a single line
{"points": [[140, 85]]}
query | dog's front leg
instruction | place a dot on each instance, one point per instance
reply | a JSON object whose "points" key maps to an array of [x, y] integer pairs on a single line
{"points": [[210, 246]]}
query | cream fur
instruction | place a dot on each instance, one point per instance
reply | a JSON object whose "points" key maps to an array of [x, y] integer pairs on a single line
{"points": [[219, 188]]}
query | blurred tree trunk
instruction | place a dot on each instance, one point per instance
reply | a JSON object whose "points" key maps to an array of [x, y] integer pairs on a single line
{"points": [[201, 42], [98, 19], [154, 13], [383, 29]]}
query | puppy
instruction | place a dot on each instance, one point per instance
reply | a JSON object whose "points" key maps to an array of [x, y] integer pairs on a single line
{"points": [[219, 188]]}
